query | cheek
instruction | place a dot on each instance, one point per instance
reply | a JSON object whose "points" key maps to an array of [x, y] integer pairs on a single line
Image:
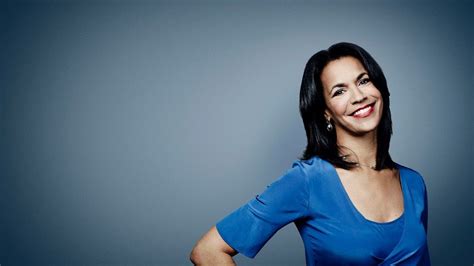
{"points": [[339, 107], [375, 92]]}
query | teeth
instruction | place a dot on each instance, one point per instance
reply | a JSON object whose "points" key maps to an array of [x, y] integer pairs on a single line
{"points": [[362, 111]]}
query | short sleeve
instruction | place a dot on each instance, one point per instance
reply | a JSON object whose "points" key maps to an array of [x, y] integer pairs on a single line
{"points": [[248, 228]]}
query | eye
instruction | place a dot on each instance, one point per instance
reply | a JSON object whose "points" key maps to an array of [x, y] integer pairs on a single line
{"points": [[364, 81], [338, 92]]}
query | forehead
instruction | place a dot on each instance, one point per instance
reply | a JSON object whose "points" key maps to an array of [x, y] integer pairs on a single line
{"points": [[342, 70]]}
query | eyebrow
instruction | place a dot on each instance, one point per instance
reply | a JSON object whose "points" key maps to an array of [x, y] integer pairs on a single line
{"points": [[343, 84]]}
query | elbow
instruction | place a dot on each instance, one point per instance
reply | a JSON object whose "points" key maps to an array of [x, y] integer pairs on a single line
{"points": [[203, 254], [212, 250], [196, 255]]}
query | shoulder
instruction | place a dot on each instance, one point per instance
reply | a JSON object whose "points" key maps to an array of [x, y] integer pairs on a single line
{"points": [[413, 177], [310, 164], [314, 168]]}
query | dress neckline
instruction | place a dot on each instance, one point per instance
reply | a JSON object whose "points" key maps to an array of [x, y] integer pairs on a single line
{"points": [[346, 196]]}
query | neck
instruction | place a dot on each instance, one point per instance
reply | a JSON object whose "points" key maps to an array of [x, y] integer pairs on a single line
{"points": [[361, 149]]}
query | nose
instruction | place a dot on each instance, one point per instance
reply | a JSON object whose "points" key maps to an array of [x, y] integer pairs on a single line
{"points": [[357, 95]]}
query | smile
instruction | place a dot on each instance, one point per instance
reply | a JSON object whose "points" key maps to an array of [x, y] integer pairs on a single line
{"points": [[364, 112]]}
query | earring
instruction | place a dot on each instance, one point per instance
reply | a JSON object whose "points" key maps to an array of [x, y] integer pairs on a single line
{"points": [[329, 125]]}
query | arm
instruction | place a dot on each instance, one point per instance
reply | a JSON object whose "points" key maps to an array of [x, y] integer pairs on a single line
{"points": [[248, 228], [211, 249]]}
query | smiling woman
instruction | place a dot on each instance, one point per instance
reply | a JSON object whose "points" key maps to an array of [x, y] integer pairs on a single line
{"points": [[354, 104], [350, 202]]}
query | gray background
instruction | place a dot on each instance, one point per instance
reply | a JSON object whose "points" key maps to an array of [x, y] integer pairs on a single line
{"points": [[128, 129]]}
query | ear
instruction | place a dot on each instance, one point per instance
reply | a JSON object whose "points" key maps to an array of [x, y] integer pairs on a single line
{"points": [[327, 115]]}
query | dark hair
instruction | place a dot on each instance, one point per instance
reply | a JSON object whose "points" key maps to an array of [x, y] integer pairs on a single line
{"points": [[323, 143]]}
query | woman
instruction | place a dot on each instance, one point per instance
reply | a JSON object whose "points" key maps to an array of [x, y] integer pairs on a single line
{"points": [[350, 202]]}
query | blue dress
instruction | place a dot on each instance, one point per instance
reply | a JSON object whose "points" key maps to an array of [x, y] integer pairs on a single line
{"points": [[333, 231]]}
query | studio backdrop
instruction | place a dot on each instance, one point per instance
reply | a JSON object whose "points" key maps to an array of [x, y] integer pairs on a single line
{"points": [[128, 129]]}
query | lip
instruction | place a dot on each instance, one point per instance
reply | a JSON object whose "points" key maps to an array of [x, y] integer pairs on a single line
{"points": [[370, 104]]}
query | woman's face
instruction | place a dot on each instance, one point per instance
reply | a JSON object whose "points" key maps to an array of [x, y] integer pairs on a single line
{"points": [[347, 88]]}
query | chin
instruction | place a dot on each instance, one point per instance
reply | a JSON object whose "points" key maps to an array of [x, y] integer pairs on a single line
{"points": [[362, 132]]}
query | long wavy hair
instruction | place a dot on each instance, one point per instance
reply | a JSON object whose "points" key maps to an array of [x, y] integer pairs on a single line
{"points": [[323, 143]]}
